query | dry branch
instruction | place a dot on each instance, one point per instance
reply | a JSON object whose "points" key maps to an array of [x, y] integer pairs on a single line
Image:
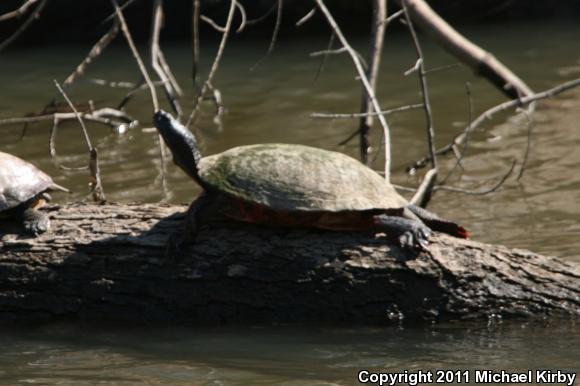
{"points": [[107, 261], [33, 16], [95, 51], [216, 62], [491, 112], [424, 94], [483, 62], [376, 51], [362, 75], [18, 12]]}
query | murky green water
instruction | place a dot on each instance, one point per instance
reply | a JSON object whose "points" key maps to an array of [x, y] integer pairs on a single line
{"points": [[272, 104]]}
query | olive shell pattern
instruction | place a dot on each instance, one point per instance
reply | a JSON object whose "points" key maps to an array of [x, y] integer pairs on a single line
{"points": [[20, 181], [298, 178]]}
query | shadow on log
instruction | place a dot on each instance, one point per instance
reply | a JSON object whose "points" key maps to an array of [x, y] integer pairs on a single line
{"points": [[107, 262]]}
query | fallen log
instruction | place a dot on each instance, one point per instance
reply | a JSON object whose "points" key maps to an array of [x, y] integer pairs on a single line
{"points": [[107, 262]]}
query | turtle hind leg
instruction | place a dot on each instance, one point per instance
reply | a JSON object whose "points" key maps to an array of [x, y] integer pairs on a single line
{"points": [[34, 221], [410, 234], [437, 223]]}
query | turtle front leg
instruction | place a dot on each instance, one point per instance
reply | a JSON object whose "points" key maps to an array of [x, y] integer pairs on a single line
{"points": [[410, 234], [191, 224], [34, 221]]}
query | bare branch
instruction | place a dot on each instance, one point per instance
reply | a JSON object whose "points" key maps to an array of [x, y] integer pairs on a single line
{"points": [[18, 12], [423, 194], [264, 16], [377, 39], [424, 91], [530, 125], [215, 65], [52, 148], [33, 16], [136, 55], [213, 24], [114, 14], [489, 114], [306, 17], [361, 73], [325, 57], [97, 49], [359, 115], [195, 41], [394, 16], [469, 53], [461, 154], [276, 26], [77, 114], [479, 192], [156, 54], [243, 16], [341, 50]]}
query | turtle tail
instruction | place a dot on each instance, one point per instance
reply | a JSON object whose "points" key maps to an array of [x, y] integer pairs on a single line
{"points": [[58, 187]]}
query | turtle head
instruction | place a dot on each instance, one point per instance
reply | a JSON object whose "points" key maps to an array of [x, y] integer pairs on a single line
{"points": [[180, 141]]}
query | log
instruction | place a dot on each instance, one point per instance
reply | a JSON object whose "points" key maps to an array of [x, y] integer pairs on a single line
{"points": [[109, 262]]}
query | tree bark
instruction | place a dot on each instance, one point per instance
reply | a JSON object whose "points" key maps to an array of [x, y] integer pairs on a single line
{"points": [[107, 262]]}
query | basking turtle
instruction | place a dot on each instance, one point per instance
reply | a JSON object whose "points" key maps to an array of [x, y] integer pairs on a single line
{"points": [[23, 189], [295, 185]]}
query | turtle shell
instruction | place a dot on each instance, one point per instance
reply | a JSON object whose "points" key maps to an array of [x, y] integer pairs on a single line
{"points": [[20, 181], [298, 178]]}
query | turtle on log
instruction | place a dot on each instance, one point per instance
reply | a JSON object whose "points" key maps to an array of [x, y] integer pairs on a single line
{"points": [[296, 185], [23, 189]]}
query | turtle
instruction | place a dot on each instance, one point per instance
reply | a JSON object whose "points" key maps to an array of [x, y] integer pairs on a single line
{"points": [[296, 185], [23, 189]]}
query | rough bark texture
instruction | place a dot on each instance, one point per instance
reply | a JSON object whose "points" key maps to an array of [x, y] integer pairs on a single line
{"points": [[107, 261]]}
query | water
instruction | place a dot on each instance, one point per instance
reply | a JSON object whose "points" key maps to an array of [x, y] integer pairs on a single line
{"points": [[272, 104], [71, 355]]}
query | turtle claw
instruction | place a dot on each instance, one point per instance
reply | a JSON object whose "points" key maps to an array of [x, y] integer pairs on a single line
{"points": [[416, 238], [35, 222]]}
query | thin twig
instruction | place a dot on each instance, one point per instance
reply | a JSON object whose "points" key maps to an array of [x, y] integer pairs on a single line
{"points": [[114, 14], [52, 148], [359, 115], [424, 88], [489, 114], [214, 66], [479, 192], [377, 39], [264, 16], [461, 154], [280, 6], [306, 17], [530, 125], [195, 15], [155, 55], [98, 116], [33, 16], [341, 50], [361, 73], [77, 114], [212, 23], [394, 16], [18, 12], [243, 16], [136, 55], [95, 51], [325, 57], [276, 26]]}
